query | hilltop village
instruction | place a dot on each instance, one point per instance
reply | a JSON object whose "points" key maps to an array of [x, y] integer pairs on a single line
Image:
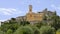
{"points": [[35, 17], [42, 22]]}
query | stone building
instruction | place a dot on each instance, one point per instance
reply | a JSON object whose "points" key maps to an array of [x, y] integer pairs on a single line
{"points": [[35, 17]]}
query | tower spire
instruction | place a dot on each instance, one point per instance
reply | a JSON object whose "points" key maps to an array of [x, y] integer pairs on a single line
{"points": [[30, 8]]}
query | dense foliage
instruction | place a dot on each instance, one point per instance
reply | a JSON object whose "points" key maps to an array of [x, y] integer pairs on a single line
{"points": [[49, 25]]}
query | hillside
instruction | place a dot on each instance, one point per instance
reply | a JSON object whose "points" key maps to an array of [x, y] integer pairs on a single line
{"points": [[49, 25]]}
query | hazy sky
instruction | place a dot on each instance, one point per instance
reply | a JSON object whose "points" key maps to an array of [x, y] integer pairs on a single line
{"points": [[15, 8]]}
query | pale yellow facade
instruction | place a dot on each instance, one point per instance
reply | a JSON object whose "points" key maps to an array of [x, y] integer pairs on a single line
{"points": [[31, 16]]}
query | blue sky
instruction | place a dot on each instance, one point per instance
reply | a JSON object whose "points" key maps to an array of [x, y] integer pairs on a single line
{"points": [[15, 8]]}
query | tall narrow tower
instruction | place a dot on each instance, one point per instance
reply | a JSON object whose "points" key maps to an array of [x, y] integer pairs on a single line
{"points": [[30, 8]]}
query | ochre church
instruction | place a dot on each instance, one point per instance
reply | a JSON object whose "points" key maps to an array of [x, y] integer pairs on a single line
{"points": [[31, 16], [35, 17]]}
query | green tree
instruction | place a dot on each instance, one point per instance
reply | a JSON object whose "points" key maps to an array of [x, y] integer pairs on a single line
{"points": [[58, 31], [5, 27], [14, 27], [9, 31], [35, 30], [47, 30], [24, 23], [56, 21], [38, 24], [24, 30], [12, 24], [1, 32], [12, 21]]}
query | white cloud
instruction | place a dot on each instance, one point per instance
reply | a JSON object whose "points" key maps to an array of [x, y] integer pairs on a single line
{"points": [[55, 7], [2, 20], [13, 9], [9, 11], [58, 7], [6, 13]]}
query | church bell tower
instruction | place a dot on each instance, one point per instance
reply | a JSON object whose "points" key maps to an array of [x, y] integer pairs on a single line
{"points": [[30, 8]]}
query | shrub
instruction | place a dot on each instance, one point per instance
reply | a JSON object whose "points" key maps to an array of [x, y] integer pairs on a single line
{"points": [[9, 31], [58, 31], [36, 30], [47, 30], [24, 30]]}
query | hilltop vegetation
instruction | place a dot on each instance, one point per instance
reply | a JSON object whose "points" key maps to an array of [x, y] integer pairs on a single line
{"points": [[50, 25]]}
